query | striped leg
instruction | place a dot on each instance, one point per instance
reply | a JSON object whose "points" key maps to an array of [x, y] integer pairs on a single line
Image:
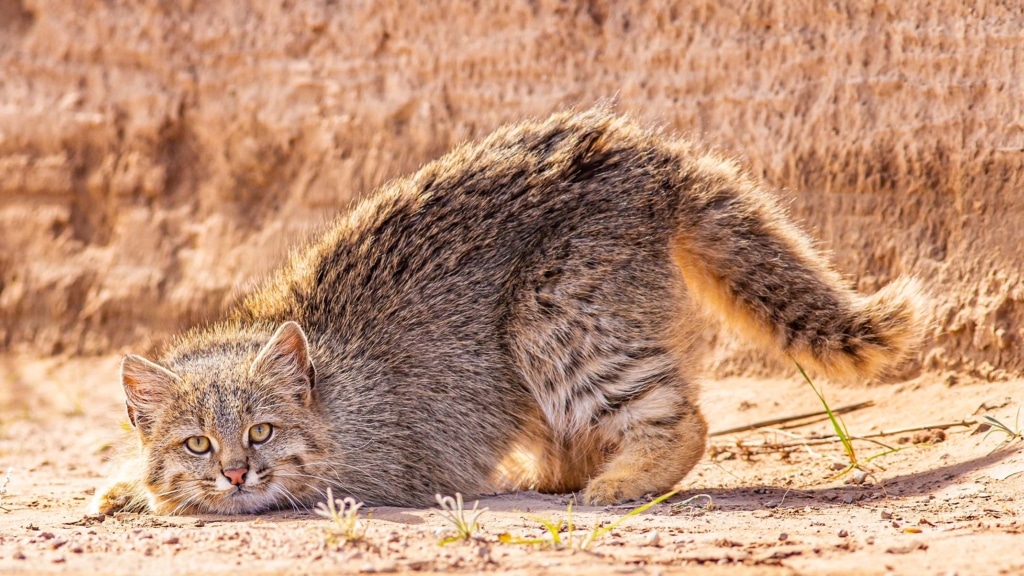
{"points": [[662, 436]]}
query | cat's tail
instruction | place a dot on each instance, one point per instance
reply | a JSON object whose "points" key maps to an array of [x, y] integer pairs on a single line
{"points": [[742, 257]]}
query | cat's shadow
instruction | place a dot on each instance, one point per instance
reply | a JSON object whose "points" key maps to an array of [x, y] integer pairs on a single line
{"points": [[760, 497], [910, 485]]}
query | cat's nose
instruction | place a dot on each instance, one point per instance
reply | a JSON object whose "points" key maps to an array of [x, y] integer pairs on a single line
{"points": [[236, 475]]}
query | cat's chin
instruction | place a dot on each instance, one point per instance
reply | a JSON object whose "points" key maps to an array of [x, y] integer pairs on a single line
{"points": [[235, 502]]}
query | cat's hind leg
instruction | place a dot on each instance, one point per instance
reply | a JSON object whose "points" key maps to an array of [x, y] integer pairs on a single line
{"points": [[659, 437], [622, 414]]}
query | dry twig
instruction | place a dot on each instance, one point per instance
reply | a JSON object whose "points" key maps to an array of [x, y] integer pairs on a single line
{"points": [[786, 419], [764, 446]]}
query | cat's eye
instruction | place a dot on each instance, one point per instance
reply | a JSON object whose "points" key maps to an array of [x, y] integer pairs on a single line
{"points": [[260, 433], [198, 445]]}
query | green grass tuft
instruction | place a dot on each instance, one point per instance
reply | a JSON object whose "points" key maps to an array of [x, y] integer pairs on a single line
{"points": [[1011, 434], [843, 433], [453, 511], [345, 515]]}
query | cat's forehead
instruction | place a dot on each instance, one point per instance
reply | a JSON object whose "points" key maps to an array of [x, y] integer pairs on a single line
{"points": [[218, 389], [212, 380], [204, 373], [212, 402], [221, 361], [223, 390]]}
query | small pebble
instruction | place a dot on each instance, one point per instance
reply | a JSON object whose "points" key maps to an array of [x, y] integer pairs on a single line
{"points": [[859, 476], [653, 539], [886, 514], [848, 499], [783, 537], [843, 533]]}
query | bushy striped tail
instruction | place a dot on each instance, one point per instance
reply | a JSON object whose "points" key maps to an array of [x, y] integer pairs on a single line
{"points": [[742, 257]]}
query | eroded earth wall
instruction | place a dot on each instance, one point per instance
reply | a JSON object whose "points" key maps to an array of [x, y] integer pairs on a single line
{"points": [[157, 157]]}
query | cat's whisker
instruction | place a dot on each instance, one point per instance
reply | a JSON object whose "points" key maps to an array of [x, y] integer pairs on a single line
{"points": [[185, 502], [188, 486], [182, 506], [169, 492], [368, 470], [181, 494], [332, 466], [197, 497], [312, 487], [313, 476], [283, 491]]}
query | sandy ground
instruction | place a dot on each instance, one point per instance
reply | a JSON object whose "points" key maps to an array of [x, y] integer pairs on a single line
{"points": [[945, 505]]}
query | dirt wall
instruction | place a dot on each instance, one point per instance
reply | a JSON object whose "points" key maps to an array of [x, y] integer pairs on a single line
{"points": [[157, 157]]}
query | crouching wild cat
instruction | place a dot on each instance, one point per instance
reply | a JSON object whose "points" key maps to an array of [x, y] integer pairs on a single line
{"points": [[519, 314]]}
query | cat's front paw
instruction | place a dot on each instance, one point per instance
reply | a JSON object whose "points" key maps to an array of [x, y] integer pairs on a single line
{"points": [[114, 498]]}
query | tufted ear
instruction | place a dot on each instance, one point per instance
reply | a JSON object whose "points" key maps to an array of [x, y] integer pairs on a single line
{"points": [[145, 385], [285, 359]]}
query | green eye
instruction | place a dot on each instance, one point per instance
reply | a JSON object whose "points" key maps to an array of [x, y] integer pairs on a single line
{"points": [[198, 444], [260, 433]]}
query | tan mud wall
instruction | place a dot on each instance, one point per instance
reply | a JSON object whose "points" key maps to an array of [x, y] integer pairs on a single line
{"points": [[156, 157]]}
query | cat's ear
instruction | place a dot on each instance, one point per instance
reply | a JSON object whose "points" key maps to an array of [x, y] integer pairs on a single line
{"points": [[145, 384], [285, 358]]}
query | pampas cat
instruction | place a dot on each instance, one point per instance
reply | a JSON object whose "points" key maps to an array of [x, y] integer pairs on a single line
{"points": [[517, 314]]}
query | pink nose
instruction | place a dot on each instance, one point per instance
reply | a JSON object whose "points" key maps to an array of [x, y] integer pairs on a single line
{"points": [[236, 475]]}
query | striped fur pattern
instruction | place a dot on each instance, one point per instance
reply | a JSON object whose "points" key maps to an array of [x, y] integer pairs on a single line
{"points": [[518, 314]]}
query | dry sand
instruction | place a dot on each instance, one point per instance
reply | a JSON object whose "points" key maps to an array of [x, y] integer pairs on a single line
{"points": [[940, 507]]}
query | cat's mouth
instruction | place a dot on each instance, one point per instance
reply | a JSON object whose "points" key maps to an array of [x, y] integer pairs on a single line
{"points": [[260, 493], [241, 500], [247, 489]]}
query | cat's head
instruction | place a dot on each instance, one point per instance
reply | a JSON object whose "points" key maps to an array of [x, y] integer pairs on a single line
{"points": [[228, 426]]}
